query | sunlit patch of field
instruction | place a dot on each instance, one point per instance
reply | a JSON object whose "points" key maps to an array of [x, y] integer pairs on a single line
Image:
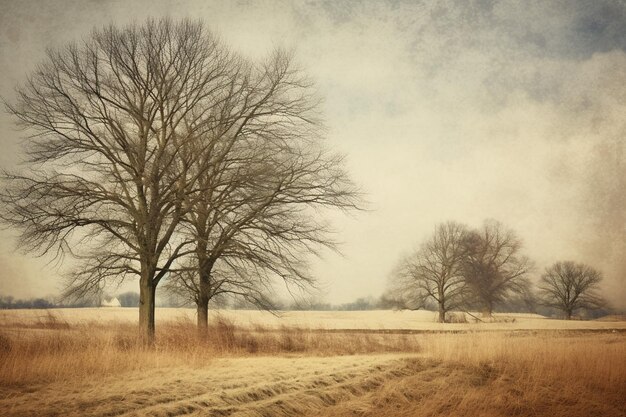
{"points": [[56, 364], [376, 319]]}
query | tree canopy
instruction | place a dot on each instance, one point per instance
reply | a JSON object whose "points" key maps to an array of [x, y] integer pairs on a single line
{"points": [[149, 143]]}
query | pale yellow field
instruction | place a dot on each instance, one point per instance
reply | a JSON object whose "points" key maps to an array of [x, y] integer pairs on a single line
{"points": [[90, 363], [373, 320]]}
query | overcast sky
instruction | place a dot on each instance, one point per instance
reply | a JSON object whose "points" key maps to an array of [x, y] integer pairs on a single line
{"points": [[446, 110]]}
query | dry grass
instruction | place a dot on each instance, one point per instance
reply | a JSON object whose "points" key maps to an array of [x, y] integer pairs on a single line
{"points": [[555, 374], [51, 367], [52, 350]]}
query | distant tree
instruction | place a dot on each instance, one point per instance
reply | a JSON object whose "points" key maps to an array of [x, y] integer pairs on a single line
{"points": [[493, 266], [570, 286], [38, 303], [6, 301], [523, 302], [360, 304], [129, 299], [434, 272], [389, 300], [319, 306]]}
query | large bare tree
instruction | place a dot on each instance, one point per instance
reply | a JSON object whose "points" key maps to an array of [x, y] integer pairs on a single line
{"points": [[570, 286], [112, 126], [267, 175], [494, 267], [435, 271]]}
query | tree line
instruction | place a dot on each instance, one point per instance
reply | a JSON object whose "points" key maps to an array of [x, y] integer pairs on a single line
{"points": [[155, 151], [458, 268]]}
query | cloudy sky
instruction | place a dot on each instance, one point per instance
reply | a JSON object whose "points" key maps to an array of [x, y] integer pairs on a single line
{"points": [[446, 110]]}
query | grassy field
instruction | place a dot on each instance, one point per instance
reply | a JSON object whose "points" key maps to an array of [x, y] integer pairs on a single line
{"points": [[369, 320], [90, 363]]}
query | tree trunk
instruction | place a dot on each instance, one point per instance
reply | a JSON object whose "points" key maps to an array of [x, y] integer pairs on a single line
{"points": [[442, 313], [203, 297], [568, 314], [488, 310], [147, 293], [202, 309], [203, 305]]}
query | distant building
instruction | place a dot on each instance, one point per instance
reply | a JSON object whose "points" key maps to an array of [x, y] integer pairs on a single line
{"points": [[111, 302]]}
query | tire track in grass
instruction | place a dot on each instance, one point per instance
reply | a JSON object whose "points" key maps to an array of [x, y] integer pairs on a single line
{"points": [[224, 384]]}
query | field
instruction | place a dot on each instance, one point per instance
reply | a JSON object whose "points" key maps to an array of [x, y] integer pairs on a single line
{"points": [[89, 362]]}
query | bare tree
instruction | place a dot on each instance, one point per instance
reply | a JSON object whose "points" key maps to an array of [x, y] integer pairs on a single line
{"points": [[225, 283], [493, 266], [435, 271], [570, 286], [267, 175], [108, 177]]}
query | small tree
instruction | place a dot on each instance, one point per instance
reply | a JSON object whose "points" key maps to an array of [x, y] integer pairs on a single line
{"points": [[570, 286], [129, 299], [493, 266], [435, 271], [264, 177]]}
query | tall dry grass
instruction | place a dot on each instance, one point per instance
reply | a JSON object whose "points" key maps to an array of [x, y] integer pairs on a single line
{"points": [[495, 374], [594, 360], [52, 350], [555, 373]]}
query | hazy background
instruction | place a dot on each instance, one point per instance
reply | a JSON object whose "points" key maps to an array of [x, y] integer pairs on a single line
{"points": [[446, 110]]}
